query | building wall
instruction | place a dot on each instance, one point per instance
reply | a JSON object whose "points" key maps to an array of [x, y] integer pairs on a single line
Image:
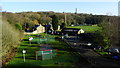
{"points": [[40, 29]]}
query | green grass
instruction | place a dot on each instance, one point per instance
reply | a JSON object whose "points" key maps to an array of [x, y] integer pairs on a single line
{"points": [[65, 55], [103, 53], [87, 29]]}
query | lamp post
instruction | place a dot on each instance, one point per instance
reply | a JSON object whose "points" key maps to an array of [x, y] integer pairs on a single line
{"points": [[30, 39], [24, 51], [38, 38]]}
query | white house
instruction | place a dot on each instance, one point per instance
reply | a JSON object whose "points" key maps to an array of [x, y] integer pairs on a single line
{"points": [[40, 29], [81, 31]]}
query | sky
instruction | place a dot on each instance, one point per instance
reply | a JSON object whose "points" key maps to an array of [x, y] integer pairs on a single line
{"points": [[99, 8], [59, 0]]}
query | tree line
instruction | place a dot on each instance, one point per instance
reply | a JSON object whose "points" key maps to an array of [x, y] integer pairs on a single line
{"points": [[29, 19]]}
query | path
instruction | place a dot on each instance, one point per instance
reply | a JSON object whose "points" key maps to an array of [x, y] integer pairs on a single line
{"points": [[91, 56]]}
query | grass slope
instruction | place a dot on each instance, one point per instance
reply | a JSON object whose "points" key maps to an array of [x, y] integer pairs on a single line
{"points": [[87, 29], [66, 57], [10, 40]]}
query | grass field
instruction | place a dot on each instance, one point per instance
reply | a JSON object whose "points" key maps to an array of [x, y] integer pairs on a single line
{"points": [[66, 57], [87, 29]]}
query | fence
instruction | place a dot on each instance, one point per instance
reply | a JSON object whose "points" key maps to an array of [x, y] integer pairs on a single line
{"points": [[46, 54], [40, 40]]}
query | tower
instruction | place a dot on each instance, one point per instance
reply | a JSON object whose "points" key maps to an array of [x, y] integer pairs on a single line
{"points": [[76, 16], [76, 11]]}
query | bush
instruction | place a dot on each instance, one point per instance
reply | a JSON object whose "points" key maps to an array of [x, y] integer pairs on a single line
{"points": [[18, 26], [10, 40]]}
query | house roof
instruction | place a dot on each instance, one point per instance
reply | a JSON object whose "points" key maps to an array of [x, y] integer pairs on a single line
{"points": [[46, 25], [35, 26]]}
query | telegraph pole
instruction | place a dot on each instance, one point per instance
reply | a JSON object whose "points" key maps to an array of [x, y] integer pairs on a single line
{"points": [[76, 24], [65, 18]]}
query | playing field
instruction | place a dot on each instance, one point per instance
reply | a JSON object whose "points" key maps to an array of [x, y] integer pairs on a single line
{"points": [[87, 29]]}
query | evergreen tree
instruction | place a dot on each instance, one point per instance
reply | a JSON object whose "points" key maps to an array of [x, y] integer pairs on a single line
{"points": [[55, 22]]}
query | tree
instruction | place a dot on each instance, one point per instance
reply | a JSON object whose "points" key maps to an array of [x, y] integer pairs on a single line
{"points": [[63, 26], [34, 22], [32, 15], [80, 20], [44, 20], [110, 30], [88, 20], [55, 22]]}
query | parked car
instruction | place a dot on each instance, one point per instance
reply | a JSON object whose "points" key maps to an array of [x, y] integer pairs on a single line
{"points": [[57, 33], [113, 50]]}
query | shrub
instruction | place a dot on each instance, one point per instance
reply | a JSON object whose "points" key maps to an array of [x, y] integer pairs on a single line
{"points": [[10, 40], [18, 26]]}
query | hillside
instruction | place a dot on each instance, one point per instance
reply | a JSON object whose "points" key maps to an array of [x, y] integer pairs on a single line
{"points": [[28, 19], [10, 40]]}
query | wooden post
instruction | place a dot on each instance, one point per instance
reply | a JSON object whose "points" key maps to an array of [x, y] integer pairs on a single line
{"points": [[42, 56], [50, 54], [45, 39], [36, 57], [39, 40], [56, 53]]}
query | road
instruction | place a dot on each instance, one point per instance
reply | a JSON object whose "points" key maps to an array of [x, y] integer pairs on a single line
{"points": [[92, 57]]}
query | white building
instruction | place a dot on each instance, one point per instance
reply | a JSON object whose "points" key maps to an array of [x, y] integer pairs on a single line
{"points": [[119, 8], [81, 31], [40, 29]]}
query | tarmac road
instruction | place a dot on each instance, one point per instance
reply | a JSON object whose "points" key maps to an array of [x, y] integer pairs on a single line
{"points": [[91, 56]]}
